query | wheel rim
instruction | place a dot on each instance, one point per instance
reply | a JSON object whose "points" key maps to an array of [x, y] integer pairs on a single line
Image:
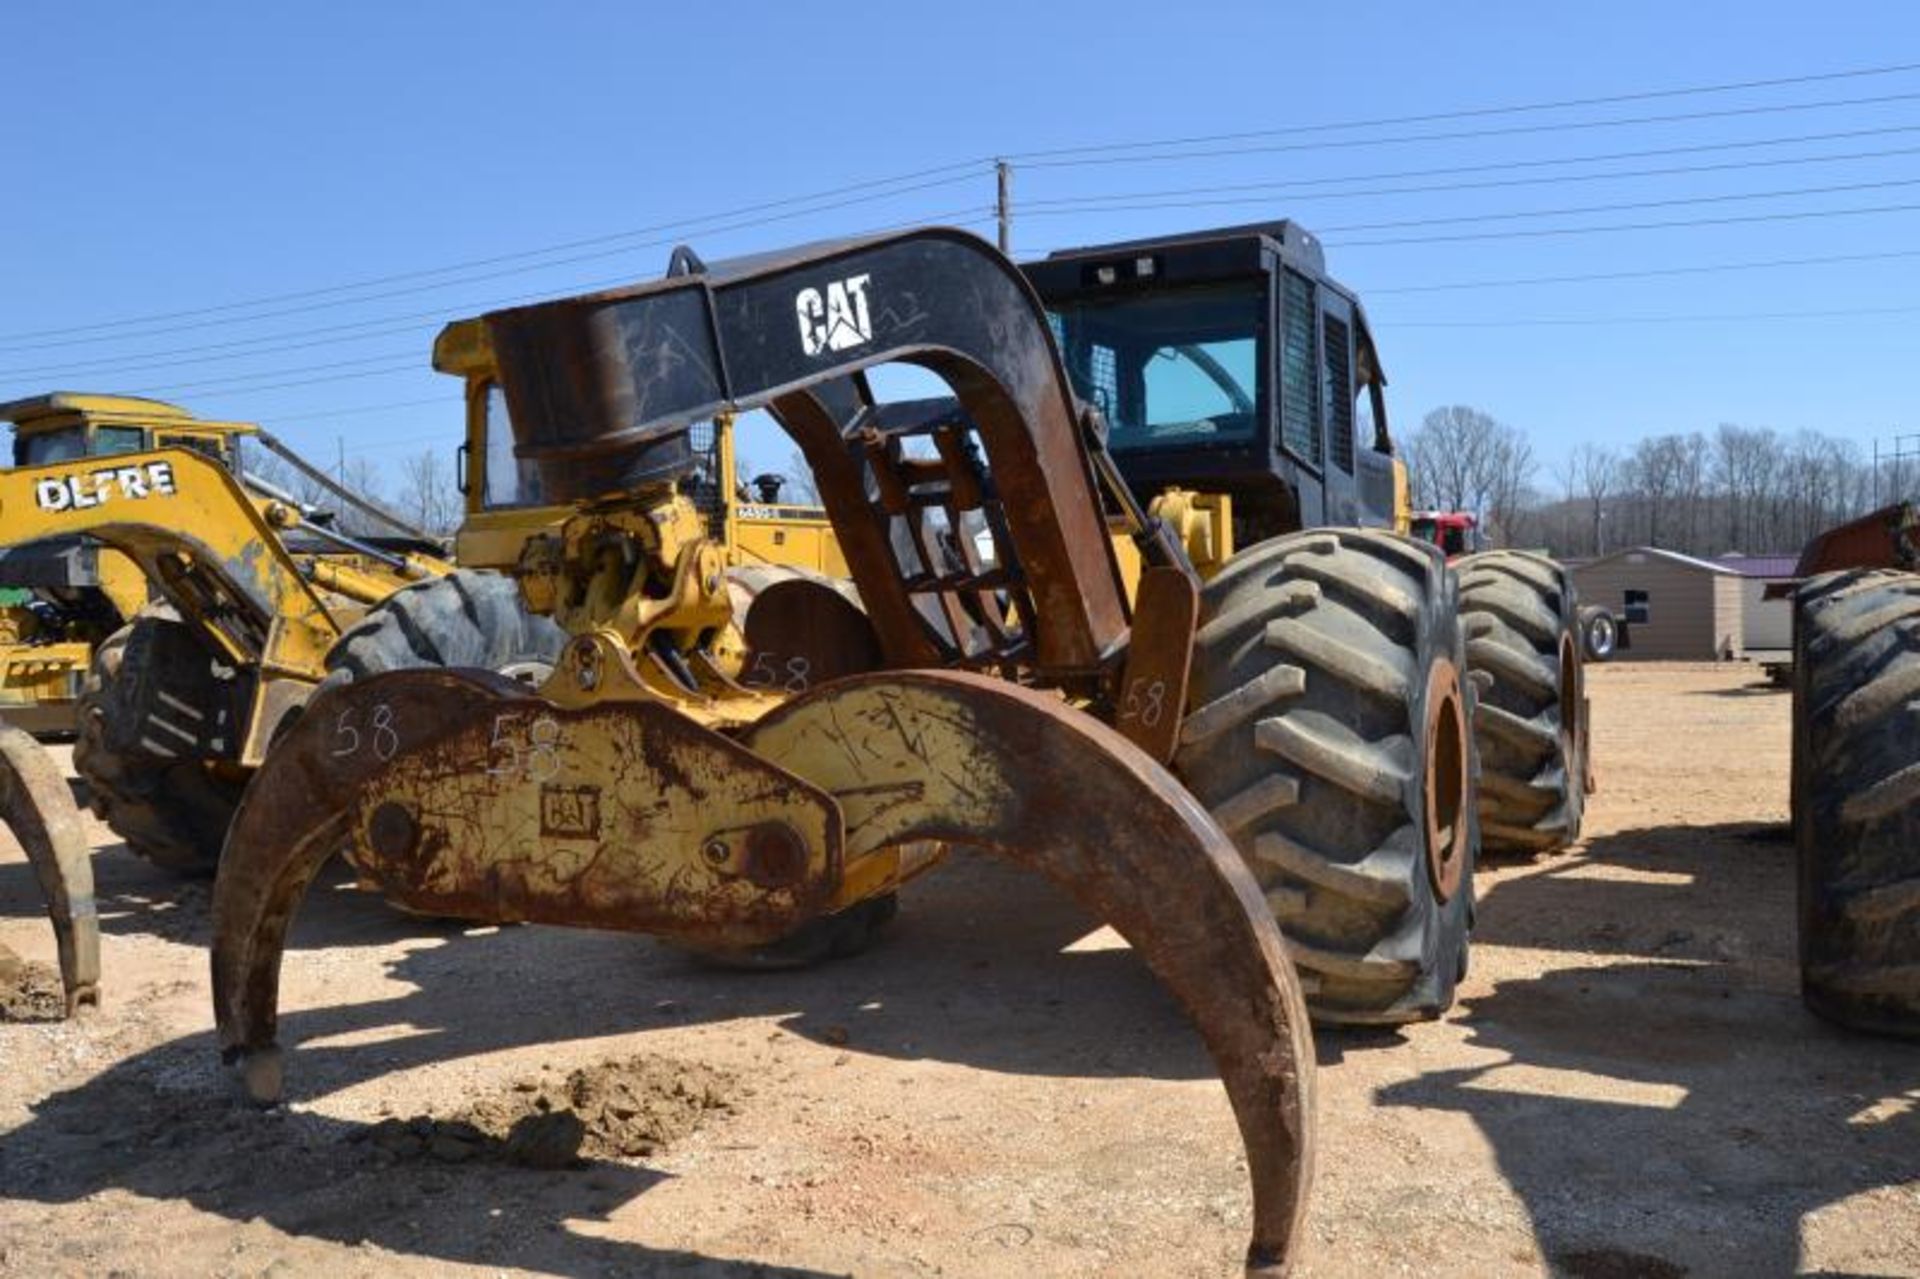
{"points": [[1600, 636], [1569, 684], [1446, 782]]}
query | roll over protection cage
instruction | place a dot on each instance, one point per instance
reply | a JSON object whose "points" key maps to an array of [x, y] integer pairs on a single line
{"points": [[603, 389]]}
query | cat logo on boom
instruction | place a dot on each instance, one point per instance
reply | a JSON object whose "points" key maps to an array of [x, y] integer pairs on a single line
{"points": [[95, 488], [835, 320]]}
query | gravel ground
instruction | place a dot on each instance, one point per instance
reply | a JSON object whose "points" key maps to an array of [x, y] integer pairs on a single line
{"points": [[1628, 1086]]}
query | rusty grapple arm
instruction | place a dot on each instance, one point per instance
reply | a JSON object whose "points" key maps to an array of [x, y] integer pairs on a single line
{"points": [[461, 794], [38, 808]]}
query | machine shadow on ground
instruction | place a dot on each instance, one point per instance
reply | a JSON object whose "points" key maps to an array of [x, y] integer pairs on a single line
{"points": [[1682, 1109], [169, 1122]]}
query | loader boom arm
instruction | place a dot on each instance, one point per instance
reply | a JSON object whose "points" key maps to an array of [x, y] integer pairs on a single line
{"points": [[206, 547]]}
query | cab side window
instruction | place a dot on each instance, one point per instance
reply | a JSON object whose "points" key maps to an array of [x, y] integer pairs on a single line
{"points": [[198, 443], [108, 440], [510, 481]]}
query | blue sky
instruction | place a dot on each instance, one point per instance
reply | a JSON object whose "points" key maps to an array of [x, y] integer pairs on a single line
{"points": [[187, 163]]}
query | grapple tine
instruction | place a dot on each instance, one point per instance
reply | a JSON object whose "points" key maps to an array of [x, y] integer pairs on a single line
{"points": [[975, 760], [37, 806], [857, 766]]}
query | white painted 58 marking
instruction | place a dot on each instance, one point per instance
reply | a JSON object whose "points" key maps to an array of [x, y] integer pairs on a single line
{"points": [[380, 734], [533, 754]]}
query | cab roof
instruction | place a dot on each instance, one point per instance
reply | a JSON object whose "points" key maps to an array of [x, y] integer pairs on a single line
{"points": [[67, 408]]}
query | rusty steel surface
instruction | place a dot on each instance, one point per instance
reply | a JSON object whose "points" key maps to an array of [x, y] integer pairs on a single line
{"points": [[37, 806], [465, 795], [803, 632], [1153, 688], [601, 387], [897, 757], [1886, 538]]}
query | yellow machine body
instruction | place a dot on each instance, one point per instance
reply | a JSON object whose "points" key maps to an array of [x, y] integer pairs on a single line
{"points": [[42, 665]]}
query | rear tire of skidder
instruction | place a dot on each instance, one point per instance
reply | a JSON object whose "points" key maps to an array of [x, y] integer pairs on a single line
{"points": [[174, 813], [465, 619], [1328, 733], [1522, 626], [1856, 797]]}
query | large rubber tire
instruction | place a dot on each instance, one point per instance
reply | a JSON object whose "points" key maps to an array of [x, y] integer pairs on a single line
{"points": [[1523, 653], [1856, 797], [466, 618], [173, 813], [1327, 733]]}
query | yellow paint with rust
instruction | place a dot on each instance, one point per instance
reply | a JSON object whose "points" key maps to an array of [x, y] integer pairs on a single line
{"points": [[182, 520], [39, 684], [576, 817]]}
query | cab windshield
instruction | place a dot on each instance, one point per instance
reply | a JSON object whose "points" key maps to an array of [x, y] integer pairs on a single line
{"points": [[1168, 368], [45, 447]]}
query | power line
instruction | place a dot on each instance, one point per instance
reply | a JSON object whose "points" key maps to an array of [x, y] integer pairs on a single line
{"points": [[1571, 211], [410, 366], [1477, 112], [1501, 166], [1543, 232], [1078, 203], [1459, 135], [1650, 273], [681, 226], [400, 323], [413, 362], [1721, 318], [363, 409]]}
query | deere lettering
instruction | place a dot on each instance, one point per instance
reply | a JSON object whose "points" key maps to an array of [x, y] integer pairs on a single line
{"points": [[80, 492]]}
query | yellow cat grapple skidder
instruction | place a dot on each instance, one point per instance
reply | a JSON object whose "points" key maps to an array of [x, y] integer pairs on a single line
{"points": [[1014, 677]]}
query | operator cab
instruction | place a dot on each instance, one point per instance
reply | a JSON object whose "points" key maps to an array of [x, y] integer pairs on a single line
{"points": [[1227, 361], [63, 426]]}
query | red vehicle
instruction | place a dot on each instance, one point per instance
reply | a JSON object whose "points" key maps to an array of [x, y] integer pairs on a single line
{"points": [[1455, 532]]}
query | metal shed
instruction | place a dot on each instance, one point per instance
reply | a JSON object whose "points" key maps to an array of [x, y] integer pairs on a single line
{"points": [[1766, 625], [1676, 607]]}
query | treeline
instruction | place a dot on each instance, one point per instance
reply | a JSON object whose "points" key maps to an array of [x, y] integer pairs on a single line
{"points": [[1736, 489], [426, 496]]}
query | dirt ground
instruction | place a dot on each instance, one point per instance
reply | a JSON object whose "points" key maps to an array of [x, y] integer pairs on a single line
{"points": [[1628, 1086]]}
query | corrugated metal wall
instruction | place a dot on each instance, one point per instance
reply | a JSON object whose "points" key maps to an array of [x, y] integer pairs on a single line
{"points": [[1693, 612]]}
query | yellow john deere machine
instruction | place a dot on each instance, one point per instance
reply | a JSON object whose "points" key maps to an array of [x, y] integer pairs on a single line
{"points": [[220, 598], [61, 598], [1257, 764]]}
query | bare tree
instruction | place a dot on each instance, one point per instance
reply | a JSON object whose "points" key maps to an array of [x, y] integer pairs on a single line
{"points": [[1599, 472], [427, 493], [1447, 458]]}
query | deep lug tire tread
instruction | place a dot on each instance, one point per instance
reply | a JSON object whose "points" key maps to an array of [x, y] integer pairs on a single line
{"points": [[1518, 610], [172, 813], [1303, 739], [1856, 797]]}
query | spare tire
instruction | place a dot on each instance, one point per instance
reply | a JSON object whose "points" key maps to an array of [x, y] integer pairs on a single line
{"points": [[1856, 797], [1327, 732], [1523, 650]]}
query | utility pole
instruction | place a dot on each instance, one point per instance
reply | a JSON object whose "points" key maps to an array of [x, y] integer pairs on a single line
{"points": [[1003, 206], [340, 460]]}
